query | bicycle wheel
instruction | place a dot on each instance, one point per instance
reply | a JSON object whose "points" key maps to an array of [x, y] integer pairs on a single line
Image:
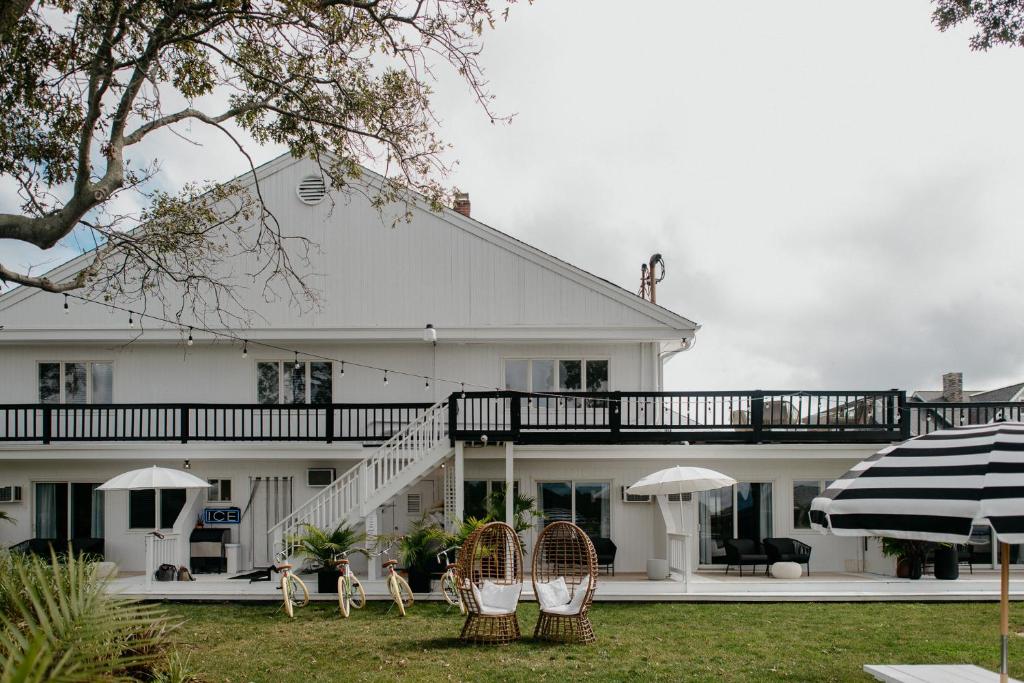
{"points": [[448, 590], [400, 592], [344, 593], [286, 596], [357, 596], [297, 591]]}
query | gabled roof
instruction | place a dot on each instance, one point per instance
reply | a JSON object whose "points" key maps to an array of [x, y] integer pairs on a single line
{"points": [[1011, 392], [512, 284]]}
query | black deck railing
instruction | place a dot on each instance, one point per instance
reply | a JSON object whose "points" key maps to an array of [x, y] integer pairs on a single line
{"points": [[186, 422], [677, 416], [561, 418]]}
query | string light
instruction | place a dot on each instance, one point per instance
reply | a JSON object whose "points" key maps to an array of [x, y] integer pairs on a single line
{"points": [[66, 308], [298, 365], [462, 384], [426, 385], [131, 320], [245, 349], [342, 373]]}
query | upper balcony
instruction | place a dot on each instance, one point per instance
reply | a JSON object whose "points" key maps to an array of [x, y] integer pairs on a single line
{"points": [[564, 418]]}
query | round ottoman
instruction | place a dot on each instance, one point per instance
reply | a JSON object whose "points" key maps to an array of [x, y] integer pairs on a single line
{"points": [[106, 570], [787, 570], [657, 570]]}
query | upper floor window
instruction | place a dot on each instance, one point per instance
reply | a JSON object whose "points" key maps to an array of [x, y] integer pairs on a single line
{"points": [[76, 382], [283, 381], [542, 374]]}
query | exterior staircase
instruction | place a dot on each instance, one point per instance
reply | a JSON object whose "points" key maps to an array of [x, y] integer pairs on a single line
{"points": [[395, 465]]}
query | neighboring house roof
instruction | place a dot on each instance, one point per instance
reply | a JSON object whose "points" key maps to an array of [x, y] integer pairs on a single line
{"points": [[1013, 392], [446, 268]]}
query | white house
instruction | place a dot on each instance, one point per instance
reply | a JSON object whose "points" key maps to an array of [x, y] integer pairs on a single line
{"points": [[86, 396]]}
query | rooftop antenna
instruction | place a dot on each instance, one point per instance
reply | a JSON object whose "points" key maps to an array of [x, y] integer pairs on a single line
{"points": [[650, 277]]}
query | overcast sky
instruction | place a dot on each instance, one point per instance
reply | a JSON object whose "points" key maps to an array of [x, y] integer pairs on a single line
{"points": [[835, 186]]}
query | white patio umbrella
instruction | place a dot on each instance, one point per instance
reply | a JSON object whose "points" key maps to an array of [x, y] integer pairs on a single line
{"points": [[154, 478], [680, 480], [935, 487]]}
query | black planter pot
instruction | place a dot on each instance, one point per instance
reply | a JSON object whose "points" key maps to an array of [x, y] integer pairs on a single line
{"points": [[419, 580], [909, 568], [327, 580], [947, 563]]}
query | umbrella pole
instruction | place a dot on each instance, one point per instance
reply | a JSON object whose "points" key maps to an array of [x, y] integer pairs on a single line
{"points": [[1004, 611]]}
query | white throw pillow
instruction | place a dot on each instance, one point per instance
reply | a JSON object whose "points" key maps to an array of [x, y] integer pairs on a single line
{"points": [[576, 604], [501, 597], [476, 595], [552, 593]]}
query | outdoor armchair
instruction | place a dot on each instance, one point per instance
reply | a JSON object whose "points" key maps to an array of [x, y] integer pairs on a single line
{"points": [[788, 550], [489, 579], [564, 576], [605, 549], [744, 551]]}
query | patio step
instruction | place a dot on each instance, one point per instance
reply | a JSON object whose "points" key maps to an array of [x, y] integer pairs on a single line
{"points": [[395, 465]]}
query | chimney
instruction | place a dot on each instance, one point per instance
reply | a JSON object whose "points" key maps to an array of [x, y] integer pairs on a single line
{"points": [[462, 203], [953, 387]]}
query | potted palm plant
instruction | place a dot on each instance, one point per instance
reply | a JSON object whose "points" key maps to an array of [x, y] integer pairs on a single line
{"points": [[321, 547], [909, 556], [417, 552]]}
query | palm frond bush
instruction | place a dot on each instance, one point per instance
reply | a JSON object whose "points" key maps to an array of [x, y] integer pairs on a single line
{"points": [[57, 623], [524, 509], [323, 545]]}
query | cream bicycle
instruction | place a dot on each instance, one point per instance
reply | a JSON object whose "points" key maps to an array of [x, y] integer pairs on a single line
{"points": [[398, 587], [293, 590], [350, 590], [449, 587]]}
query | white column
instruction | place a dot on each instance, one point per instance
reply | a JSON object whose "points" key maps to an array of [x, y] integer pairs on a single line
{"points": [[509, 508], [460, 502], [370, 527]]}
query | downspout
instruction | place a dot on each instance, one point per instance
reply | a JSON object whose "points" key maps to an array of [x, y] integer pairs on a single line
{"points": [[685, 344]]}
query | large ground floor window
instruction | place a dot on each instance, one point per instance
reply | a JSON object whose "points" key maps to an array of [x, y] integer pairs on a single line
{"points": [[740, 511], [586, 503], [68, 510], [153, 509]]}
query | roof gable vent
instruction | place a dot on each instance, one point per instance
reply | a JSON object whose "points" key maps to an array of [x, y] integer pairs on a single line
{"points": [[312, 189]]}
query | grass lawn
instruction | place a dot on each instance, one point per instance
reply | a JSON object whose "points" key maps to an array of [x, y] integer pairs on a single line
{"points": [[669, 642]]}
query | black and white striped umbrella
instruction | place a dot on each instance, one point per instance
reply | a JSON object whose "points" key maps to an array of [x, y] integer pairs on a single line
{"points": [[933, 488]]}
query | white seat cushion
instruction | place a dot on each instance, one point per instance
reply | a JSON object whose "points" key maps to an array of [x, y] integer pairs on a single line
{"points": [[498, 599], [552, 593], [576, 604]]}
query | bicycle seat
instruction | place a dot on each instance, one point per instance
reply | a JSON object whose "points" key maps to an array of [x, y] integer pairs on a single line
{"points": [[451, 565], [342, 561], [284, 565], [389, 563]]}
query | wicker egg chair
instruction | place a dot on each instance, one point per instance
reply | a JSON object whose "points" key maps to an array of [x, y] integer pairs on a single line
{"points": [[491, 555], [564, 551]]}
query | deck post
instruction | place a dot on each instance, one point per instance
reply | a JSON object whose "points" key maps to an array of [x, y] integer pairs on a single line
{"points": [[460, 494], [47, 424], [904, 415], [329, 423], [757, 399], [370, 527], [183, 423], [509, 487]]}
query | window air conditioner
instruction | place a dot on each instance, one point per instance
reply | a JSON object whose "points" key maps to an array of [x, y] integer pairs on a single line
{"points": [[634, 497], [10, 494]]}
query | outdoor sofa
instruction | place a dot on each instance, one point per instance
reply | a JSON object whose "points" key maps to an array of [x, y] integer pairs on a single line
{"points": [[740, 552]]}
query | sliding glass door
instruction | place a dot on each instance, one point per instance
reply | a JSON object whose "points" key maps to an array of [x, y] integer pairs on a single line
{"points": [[740, 511], [68, 510]]}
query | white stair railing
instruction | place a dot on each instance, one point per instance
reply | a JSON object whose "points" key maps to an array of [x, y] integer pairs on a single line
{"points": [[394, 465]]}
